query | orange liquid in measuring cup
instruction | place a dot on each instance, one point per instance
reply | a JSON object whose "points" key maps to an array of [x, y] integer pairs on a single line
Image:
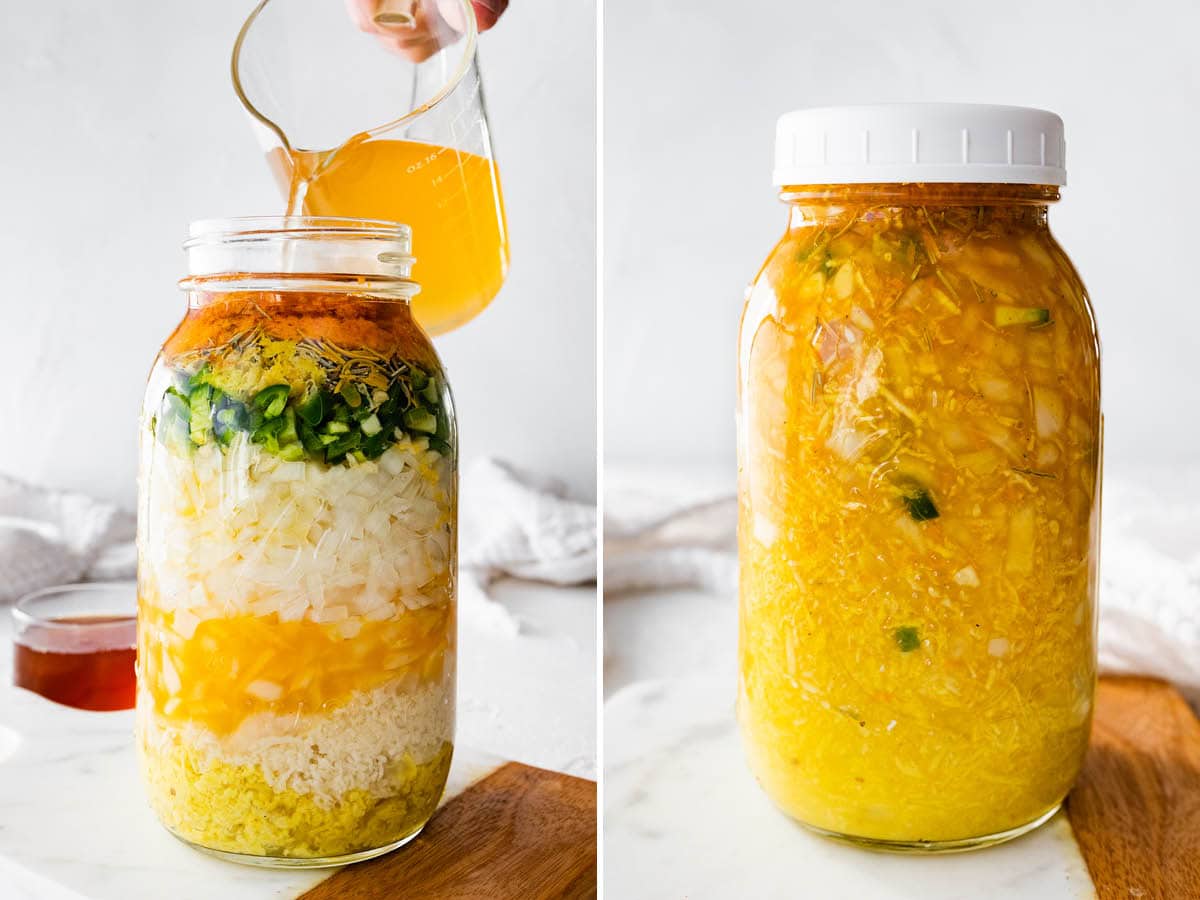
{"points": [[450, 198]]}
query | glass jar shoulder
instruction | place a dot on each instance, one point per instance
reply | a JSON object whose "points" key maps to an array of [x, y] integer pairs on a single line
{"points": [[970, 283]]}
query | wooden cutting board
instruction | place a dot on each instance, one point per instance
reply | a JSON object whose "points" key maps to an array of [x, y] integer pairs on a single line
{"points": [[520, 833], [1136, 808]]}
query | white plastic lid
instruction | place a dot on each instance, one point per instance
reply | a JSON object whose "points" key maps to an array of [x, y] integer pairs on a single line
{"points": [[920, 142]]}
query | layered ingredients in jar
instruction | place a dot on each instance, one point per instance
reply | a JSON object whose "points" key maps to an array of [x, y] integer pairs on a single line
{"points": [[919, 442], [297, 576]]}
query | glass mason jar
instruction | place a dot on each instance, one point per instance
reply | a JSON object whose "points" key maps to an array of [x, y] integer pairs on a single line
{"points": [[919, 439], [297, 549]]}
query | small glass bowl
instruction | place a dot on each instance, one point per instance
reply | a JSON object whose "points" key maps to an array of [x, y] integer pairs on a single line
{"points": [[75, 644]]}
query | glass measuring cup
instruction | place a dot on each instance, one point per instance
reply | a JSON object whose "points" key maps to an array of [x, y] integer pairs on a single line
{"points": [[355, 125]]}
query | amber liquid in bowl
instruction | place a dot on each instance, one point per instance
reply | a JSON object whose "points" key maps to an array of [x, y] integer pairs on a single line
{"points": [[85, 678]]}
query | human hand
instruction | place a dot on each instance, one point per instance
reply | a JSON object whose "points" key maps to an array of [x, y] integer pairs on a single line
{"points": [[417, 29]]}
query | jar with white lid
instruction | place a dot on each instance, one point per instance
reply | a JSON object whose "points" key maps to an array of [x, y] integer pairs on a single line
{"points": [[919, 439]]}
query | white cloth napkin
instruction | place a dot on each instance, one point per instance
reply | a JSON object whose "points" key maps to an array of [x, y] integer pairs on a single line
{"points": [[1150, 578], [57, 537], [667, 528], [522, 525], [673, 531], [512, 523]]}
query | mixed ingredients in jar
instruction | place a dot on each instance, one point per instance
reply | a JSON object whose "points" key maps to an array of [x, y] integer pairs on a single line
{"points": [[919, 440], [297, 577]]}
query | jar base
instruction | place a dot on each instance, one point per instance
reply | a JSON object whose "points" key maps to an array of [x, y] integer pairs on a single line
{"points": [[960, 845], [289, 862]]}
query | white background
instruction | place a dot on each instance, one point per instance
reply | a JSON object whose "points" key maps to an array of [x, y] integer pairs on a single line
{"points": [[692, 92], [119, 125]]}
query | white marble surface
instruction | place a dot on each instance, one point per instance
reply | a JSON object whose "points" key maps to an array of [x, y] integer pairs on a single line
{"points": [[532, 697], [684, 818], [74, 824]]}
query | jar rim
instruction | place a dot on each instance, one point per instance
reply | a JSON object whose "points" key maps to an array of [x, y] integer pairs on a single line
{"points": [[113, 602], [921, 193], [250, 228], [307, 247]]}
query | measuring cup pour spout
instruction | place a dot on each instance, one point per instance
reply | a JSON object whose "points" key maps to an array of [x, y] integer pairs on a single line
{"points": [[375, 109]]}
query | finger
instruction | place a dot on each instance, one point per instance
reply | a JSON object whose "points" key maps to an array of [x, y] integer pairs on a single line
{"points": [[411, 28], [488, 11], [396, 14], [390, 16]]}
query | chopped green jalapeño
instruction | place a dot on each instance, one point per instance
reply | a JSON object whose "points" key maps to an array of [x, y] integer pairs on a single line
{"points": [[313, 423], [918, 503], [907, 638]]}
